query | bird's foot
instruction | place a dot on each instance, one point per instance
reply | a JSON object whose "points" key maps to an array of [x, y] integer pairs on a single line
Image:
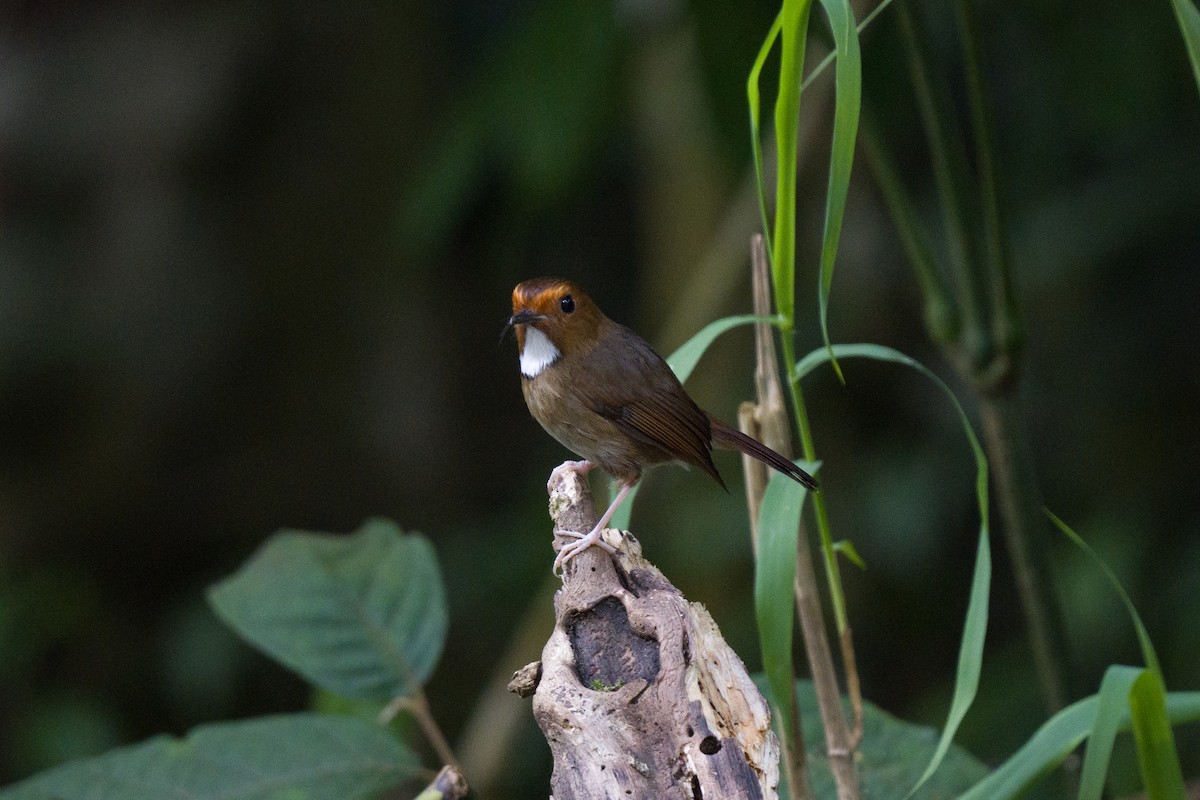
{"points": [[582, 542], [580, 468]]}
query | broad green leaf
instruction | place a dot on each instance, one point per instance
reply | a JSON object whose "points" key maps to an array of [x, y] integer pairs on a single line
{"points": [[890, 757], [774, 575], [970, 654], [682, 362], [1189, 25], [1158, 760], [363, 615], [1057, 738], [847, 105], [1112, 703], [285, 757]]}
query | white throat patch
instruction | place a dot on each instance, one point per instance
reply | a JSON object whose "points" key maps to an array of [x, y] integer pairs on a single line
{"points": [[538, 354]]}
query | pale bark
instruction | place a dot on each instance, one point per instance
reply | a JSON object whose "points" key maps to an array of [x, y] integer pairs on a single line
{"points": [[637, 693]]}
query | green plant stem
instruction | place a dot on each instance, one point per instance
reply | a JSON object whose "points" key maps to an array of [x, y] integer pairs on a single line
{"points": [[948, 163], [986, 349], [941, 318], [793, 31], [1002, 313], [997, 384], [840, 742]]}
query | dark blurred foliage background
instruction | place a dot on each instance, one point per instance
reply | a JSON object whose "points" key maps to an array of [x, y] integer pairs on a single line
{"points": [[255, 258]]}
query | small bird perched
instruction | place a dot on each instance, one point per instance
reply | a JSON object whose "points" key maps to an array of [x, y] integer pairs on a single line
{"points": [[600, 390]]}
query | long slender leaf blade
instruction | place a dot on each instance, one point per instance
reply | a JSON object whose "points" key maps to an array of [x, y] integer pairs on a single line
{"points": [[793, 35], [753, 98], [362, 615], [1057, 738], [1111, 707], [684, 359], [847, 106], [319, 757], [1046, 749], [1189, 25], [1158, 759], [970, 655], [1148, 654], [774, 575]]}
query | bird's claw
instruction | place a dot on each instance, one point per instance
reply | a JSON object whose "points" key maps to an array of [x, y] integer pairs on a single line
{"points": [[582, 542]]}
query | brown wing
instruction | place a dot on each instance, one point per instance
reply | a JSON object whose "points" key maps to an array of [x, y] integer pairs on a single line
{"points": [[654, 410]]}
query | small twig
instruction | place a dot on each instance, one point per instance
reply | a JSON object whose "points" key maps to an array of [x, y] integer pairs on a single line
{"points": [[417, 705]]}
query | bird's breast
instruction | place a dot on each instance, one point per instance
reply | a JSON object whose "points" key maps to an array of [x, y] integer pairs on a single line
{"points": [[554, 400]]}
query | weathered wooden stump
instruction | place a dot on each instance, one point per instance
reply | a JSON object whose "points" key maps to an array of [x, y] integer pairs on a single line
{"points": [[637, 693]]}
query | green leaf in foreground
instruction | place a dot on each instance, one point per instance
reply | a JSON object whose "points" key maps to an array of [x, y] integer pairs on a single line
{"points": [[1112, 703], [1057, 738], [1158, 760], [362, 615], [1157, 757], [847, 106], [891, 756], [774, 574], [272, 758], [970, 654]]}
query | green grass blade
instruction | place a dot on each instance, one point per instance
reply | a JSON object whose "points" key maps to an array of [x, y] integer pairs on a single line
{"points": [[1046, 749], [847, 106], [970, 655], [754, 101], [682, 362], [1189, 26], [1148, 654], [1111, 706], [1158, 759], [774, 574], [1057, 738], [793, 35]]}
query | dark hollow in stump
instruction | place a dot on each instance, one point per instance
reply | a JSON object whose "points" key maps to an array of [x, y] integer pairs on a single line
{"points": [[638, 694]]}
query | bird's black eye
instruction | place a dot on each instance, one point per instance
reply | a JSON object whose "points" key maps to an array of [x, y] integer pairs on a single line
{"points": [[567, 304]]}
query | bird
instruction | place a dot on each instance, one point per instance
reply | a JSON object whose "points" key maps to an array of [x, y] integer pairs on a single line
{"points": [[606, 395]]}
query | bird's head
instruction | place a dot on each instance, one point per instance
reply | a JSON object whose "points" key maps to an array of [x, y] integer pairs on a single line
{"points": [[552, 317]]}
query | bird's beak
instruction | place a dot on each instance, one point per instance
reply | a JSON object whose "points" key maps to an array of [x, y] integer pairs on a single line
{"points": [[525, 317], [520, 318]]}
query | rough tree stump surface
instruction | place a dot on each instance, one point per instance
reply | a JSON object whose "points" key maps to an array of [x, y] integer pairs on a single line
{"points": [[639, 696]]}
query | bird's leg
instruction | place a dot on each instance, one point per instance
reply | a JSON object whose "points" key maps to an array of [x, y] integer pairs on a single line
{"points": [[585, 540]]}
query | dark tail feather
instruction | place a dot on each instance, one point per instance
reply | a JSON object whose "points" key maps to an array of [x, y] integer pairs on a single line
{"points": [[733, 439]]}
